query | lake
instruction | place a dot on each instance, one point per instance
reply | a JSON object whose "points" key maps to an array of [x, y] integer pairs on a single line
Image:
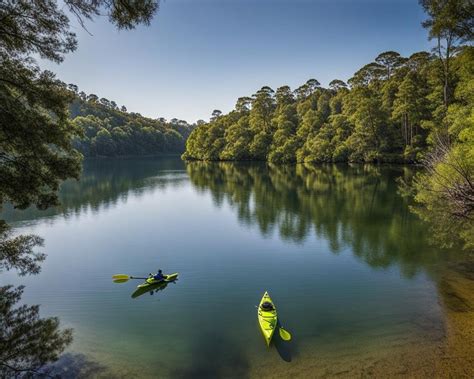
{"points": [[352, 272]]}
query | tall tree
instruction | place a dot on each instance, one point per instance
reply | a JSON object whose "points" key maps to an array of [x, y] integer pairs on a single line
{"points": [[337, 84], [410, 107], [367, 74], [260, 115], [364, 110], [449, 22], [284, 144], [390, 60], [216, 113]]}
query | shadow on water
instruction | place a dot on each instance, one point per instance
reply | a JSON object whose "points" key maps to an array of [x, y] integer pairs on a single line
{"points": [[455, 287], [284, 348], [75, 366], [214, 356]]}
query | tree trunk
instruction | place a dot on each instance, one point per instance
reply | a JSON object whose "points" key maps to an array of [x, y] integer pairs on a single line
{"points": [[445, 61], [405, 128], [411, 132]]}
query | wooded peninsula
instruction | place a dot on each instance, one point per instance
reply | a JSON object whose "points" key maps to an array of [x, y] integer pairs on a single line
{"points": [[107, 130]]}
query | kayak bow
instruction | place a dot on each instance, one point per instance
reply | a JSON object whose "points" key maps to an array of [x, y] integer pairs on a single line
{"points": [[267, 317]]}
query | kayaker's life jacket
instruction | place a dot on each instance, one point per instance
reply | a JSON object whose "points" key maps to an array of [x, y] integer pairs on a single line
{"points": [[158, 277], [267, 306]]}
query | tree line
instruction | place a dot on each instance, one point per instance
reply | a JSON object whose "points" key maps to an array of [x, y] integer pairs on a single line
{"points": [[109, 130], [389, 111]]}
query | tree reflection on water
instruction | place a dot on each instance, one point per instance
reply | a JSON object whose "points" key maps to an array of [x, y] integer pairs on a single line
{"points": [[28, 342], [355, 207]]}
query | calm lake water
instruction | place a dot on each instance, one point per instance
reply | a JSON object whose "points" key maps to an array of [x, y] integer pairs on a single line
{"points": [[351, 270]]}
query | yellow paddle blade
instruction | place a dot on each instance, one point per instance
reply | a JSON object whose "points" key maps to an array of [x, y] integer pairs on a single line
{"points": [[120, 280], [121, 276], [284, 334]]}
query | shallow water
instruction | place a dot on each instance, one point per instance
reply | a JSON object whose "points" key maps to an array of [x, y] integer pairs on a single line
{"points": [[351, 270]]}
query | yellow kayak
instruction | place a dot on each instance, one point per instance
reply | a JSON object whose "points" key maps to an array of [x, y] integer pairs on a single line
{"points": [[154, 285], [267, 317], [151, 281]]}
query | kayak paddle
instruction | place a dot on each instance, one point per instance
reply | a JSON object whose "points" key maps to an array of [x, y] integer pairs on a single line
{"points": [[121, 278], [284, 334]]}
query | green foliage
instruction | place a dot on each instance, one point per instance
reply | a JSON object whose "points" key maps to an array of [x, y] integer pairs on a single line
{"points": [[450, 23], [108, 131], [36, 151], [449, 180], [449, 19], [445, 190], [392, 113], [237, 140]]}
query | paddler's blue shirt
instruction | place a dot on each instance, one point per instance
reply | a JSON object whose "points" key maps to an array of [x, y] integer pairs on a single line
{"points": [[158, 276]]}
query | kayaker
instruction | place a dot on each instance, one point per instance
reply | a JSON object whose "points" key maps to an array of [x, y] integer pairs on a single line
{"points": [[267, 306], [159, 275]]}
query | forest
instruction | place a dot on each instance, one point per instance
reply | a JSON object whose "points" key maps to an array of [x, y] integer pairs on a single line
{"points": [[105, 129], [391, 110]]}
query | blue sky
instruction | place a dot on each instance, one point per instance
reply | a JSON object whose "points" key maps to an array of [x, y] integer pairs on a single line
{"points": [[200, 55]]}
